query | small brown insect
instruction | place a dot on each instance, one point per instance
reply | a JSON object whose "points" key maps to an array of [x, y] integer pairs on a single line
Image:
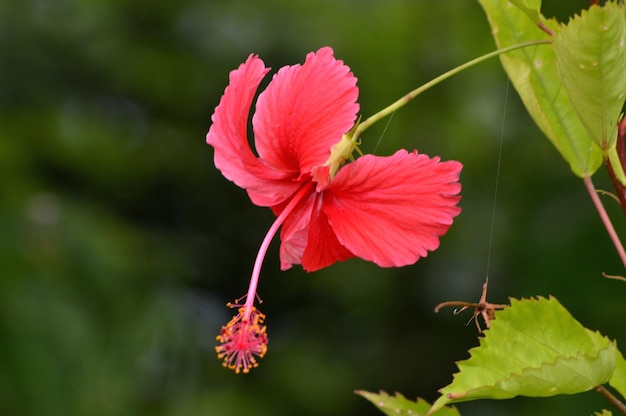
{"points": [[482, 308]]}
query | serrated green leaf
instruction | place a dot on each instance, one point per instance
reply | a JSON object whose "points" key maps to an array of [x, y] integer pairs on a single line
{"points": [[533, 73], [618, 380], [530, 7], [533, 348], [604, 412], [400, 405], [591, 58]]}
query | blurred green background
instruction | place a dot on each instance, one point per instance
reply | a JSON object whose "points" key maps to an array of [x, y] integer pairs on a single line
{"points": [[120, 242]]}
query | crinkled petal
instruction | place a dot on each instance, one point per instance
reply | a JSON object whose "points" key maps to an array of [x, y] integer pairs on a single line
{"points": [[323, 248], [294, 231], [307, 238], [228, 136], [291, 248], [392, 210], [304, 111]]}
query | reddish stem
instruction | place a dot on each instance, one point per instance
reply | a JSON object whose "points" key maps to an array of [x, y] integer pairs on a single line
{"points": [[605, 219], [614, 400], [545, 28], [621, 153]]}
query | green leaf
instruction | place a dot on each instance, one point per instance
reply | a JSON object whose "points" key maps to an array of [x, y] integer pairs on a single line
{"points": [[604, 412], [618, 381], [616, 163], [529, 7], [533, 348], [591, 58], [400, 405], [534, 75]]}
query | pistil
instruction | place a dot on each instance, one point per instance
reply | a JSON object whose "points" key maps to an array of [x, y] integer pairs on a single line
{"points": [[245, 337]]}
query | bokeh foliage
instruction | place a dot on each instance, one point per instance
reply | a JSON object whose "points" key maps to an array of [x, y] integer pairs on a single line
{"points": [[120, 242]]}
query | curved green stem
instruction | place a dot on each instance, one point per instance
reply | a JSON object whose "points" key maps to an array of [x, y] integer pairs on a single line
{"points": [[408, 97]]}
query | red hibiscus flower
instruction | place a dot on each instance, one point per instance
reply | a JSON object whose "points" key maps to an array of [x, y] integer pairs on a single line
{"points": [[387, 210]]}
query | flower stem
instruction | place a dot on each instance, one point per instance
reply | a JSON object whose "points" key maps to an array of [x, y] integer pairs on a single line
{"points": [[258, 262], [605, 219], [408, 97]]}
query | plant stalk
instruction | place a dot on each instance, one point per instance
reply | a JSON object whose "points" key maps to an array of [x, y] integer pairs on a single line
{"points": [[605, 219], [408, 97], [620, 146], [611, 398]]}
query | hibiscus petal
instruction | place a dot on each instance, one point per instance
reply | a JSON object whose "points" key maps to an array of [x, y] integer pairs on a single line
{"points": [[307, 238], [304, 111], [228, 135], [323, 248], [392, 210], [294, 231]]}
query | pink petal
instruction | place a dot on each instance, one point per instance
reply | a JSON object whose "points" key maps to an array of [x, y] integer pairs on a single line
{"points": [[304, 111], [392, 210], [228, 135], [307, 238], [323, 248], [294, 231], [291, 248]]}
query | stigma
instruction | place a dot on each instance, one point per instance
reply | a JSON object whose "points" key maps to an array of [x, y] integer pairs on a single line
{"points": [[242, 340]]}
